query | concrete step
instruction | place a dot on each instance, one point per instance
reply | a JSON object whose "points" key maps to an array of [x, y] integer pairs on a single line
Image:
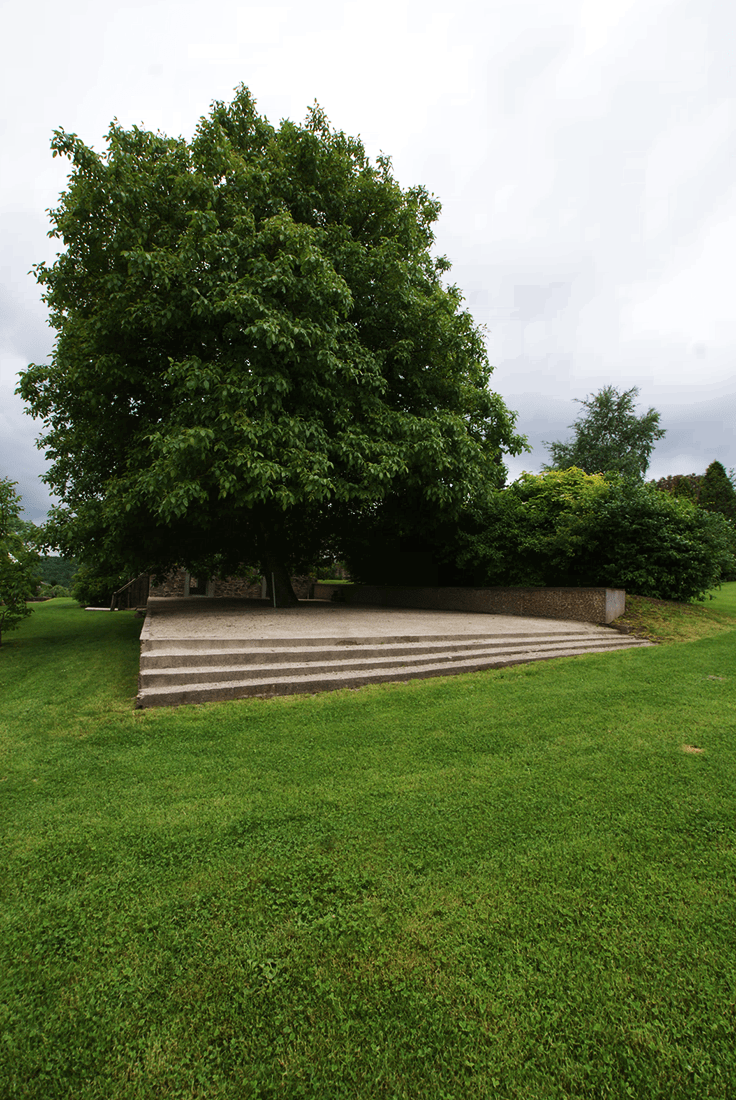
{"points": [[208, 645], [287, 669], [260, 664], [205, 653]]}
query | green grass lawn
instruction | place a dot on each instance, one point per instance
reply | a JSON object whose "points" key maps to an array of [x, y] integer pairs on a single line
{"points": [[514, 884]]}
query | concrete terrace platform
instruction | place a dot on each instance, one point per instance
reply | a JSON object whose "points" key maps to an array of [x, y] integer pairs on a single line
{"points": [[195, 649]]}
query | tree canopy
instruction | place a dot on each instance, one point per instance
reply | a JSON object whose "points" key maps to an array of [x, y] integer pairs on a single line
{"points": [[610, 437], [255, 348]]}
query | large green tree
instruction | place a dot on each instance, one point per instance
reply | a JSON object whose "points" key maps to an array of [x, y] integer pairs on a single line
{"points": [[255, 349], [610, 436]]}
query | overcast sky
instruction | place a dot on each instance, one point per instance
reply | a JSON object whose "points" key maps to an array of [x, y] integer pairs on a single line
{"points": [[584, 152]]}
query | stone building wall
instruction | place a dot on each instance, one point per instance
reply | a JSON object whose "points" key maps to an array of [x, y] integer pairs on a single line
{"points": [[173, 585], [243, 587], [236, 586]]}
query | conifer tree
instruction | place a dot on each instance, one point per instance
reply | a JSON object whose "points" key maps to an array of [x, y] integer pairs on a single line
{"points": [[717, 493]]}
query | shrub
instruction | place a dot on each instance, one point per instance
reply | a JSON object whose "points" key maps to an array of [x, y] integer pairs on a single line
{"points": [[93, 589], [57, 591], [537, 531], [661, 546], [571, 528]]}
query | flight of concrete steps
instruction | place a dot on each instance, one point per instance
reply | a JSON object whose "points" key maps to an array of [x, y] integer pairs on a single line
{"points": [[175, 671]]}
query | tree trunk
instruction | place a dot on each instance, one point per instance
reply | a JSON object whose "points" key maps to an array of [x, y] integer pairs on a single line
{"points": [[276, 574]]}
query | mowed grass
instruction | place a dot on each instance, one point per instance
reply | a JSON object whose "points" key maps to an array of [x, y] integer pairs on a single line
{"points": [[517, 883]]}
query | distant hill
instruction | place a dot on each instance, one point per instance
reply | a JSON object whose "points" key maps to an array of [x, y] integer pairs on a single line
{"points": [[56, 570]]}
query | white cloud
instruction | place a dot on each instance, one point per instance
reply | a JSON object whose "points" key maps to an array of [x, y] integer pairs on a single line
{"points": [[693, 301]]}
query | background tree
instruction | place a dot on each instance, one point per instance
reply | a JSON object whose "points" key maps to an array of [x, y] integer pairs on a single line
{"points": [[610, 437], [90, 589], [680, 485], [717, 493], [714, 490], [18, 560], [255, 348]]}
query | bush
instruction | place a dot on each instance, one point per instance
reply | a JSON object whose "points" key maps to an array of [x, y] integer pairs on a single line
{"points": [[330, 570], [537, 531], [57, 591], [92, 589], [571, 528], [660, 546]]}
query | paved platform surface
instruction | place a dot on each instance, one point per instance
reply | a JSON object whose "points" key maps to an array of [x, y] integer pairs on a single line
{"points": [[197, 617]]}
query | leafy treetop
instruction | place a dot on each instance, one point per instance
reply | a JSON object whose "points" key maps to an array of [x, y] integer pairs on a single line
{"points": [[610, 437]]}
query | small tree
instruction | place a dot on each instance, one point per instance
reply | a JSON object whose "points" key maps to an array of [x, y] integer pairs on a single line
{"points": [[18, 561], [610, 437]]}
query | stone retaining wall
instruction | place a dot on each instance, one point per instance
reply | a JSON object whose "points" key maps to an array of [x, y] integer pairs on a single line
{"points": [[586, 605]]}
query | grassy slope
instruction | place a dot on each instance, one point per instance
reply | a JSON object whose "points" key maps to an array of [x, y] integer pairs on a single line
{"points": [[666, 621], [512, 884]]}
